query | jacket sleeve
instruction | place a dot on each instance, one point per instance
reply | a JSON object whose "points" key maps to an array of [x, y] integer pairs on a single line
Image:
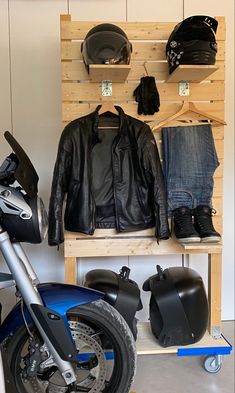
{"points": [[152, 164], [59, 187]]}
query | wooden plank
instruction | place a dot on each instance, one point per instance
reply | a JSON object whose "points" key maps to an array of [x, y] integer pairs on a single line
{"points": [[76, 71], [218, 132], [217, 204], [214, 291], [134, 30], [124, 91], [221, 30], [147, 344], [115, 73], [160, 71], [123, 246], [71, 50], [71, 270], [71, 111], [220, 170], [65, 18], [219, 145], [145, 30], [218, 223], [191, 73], [218, 187]]}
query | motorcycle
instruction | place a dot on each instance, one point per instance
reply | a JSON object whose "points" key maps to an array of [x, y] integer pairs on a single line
{"points": [[58, 338]]}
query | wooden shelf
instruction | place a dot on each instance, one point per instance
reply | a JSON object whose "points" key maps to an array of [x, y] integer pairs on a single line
{"points": [[147, 344], [107, 242], [114, 73], [191, 73]]}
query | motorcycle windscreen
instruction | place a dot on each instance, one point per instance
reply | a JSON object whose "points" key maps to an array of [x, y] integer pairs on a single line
{"points": [[25, 173]]}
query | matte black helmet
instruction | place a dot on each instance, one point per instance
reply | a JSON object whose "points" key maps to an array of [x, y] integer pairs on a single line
{"points": [[192, 42], [178, 306], [106, 44]]}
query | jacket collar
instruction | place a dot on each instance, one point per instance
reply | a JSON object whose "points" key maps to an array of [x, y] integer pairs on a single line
{"points": [[124, 140]]}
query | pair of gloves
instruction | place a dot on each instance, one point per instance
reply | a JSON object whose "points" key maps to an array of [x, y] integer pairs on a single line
{"points": [[147, 96]]}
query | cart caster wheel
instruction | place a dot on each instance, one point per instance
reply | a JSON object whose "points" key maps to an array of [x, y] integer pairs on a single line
{"points": [[212, 364]]}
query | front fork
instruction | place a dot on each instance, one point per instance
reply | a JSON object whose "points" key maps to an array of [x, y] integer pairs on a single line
{"points": [[31, 298]]}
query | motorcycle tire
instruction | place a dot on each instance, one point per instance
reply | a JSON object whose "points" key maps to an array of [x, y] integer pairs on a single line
{"points": [[101, 327]]}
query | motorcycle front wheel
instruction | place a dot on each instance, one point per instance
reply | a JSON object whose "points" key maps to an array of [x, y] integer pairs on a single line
{"points": [[106, 361]]}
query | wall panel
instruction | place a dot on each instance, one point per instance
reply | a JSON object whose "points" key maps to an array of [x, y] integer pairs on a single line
{"points": [[101, 10], [36, 108], [6, 298], [152, 10], [5, 107]]}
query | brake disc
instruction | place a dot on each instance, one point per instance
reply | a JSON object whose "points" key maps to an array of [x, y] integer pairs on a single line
{"points": [[93, 379]]}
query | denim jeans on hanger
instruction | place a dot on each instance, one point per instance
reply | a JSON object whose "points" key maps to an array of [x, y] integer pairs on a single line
{"points": [[189, 162]]}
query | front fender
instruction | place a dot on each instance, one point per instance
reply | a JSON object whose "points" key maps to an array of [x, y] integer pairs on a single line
{"points": [[58, 297]]}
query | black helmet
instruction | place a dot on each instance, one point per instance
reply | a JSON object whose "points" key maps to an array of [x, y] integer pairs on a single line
{"points": [[178, 306], [192, 42], [106, 44]]}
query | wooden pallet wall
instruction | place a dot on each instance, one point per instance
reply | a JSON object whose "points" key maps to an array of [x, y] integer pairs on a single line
{"points": [[148, 58], [80, 96]]}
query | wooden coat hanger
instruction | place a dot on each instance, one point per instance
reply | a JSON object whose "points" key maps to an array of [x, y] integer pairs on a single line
{"points": [[108, 106], [190, 107]]}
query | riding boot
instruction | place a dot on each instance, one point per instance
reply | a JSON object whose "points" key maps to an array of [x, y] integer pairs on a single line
{"points": [[203, 224], [183, 226]]}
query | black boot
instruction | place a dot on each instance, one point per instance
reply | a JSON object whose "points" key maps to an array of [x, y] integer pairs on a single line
{"points": [[203, 224], [183, 226]]}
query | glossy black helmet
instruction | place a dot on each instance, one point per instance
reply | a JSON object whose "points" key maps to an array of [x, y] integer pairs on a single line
{"points": [[106, 44], [192, 42], [178, 306]]}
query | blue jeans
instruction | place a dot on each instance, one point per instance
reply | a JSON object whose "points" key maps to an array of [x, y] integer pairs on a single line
{"points": [[189, 162]]}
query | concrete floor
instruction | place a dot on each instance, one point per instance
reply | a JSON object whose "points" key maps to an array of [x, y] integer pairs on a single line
{"points": [[172, 374]]}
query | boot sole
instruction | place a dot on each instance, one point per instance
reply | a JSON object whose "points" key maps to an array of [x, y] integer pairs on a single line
{"points": [[211, 239], [189, 240]]}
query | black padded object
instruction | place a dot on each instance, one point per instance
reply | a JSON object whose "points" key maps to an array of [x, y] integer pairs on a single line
{"points": [[121, 292], [178, 306]]}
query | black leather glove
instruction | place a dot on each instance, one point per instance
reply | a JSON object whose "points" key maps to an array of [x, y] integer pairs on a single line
{"points": [[147, 96]]}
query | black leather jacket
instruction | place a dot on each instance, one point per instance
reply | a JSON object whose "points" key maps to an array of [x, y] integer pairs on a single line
{"points": [[138, 185]]}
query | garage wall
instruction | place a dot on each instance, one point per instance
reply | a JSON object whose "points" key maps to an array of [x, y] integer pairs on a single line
{"points": [[30, 108]]}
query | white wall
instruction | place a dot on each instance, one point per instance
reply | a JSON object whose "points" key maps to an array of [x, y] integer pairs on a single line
{"points": [[30, 106]]}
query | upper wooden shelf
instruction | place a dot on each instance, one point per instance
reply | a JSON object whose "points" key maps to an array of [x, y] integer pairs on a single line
{"points": [[112, 72], [191, 73]]}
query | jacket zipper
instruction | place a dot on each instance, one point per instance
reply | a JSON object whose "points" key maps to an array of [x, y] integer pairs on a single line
{"points": [[92, 230], [115, 142]]}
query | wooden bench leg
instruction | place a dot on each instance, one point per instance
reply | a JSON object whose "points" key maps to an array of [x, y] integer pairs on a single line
{"points": [[214, 293], [70, 270]]}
